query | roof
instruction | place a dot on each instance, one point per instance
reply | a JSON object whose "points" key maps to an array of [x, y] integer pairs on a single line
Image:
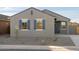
{"points": [[3, 17], [32, 8], [73, 23], [51, 13], [45, 11]]}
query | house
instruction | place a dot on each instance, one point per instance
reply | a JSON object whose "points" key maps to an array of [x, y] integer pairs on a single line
{"points": [[38, 23], [4, 25], [73, 28]]}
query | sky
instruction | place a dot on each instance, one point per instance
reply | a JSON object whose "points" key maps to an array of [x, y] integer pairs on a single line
{"points": [[70, 12]]}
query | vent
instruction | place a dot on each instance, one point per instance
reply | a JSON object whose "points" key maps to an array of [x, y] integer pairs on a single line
{"points": [[31, 12]]}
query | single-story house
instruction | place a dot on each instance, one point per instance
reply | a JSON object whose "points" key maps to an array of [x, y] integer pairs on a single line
{"points": [[73, 28], [4, 25], [33, 22]]}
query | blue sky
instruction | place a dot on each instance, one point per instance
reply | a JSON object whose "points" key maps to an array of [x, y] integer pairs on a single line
{"points": [[70, 12]]}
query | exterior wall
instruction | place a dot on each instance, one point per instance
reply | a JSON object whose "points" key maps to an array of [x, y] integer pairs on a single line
{"points": [[77, 29], [48, 32], [72, 29]]}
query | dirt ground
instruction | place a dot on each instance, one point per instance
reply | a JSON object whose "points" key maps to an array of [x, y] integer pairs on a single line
{"points": [[59, 41]]}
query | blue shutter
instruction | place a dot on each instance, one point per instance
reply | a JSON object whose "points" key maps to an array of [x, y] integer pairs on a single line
{"points": [[28, 24], [44, 24], [20, 24], [34, 24]]}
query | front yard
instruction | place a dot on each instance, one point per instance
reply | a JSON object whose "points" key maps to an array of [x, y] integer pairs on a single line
{"points": [[60, 41]]}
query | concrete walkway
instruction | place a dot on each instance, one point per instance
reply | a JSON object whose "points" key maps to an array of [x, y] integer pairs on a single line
{"points": [[75, 39]]}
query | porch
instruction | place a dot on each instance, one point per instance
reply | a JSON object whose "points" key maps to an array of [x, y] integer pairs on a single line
{"points": [[61, 27]]}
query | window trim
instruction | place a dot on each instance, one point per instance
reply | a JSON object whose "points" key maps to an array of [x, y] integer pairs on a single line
{"points": [[35, 28], [20, 25], [63, 26]]}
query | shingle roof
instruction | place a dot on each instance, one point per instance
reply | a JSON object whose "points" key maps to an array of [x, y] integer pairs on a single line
{"points": [[51, 13], [32, 8], [3, 16], [45, 11]]}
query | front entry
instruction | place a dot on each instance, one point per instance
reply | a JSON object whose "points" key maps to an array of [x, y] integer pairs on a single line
{"points": [[57, 26]]}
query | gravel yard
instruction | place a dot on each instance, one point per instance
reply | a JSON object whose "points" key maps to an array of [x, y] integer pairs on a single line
{"points": [[60, 41]]}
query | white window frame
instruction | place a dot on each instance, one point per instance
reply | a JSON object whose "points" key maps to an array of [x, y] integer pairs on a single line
{"points": [[24, 20], [41, 19], [63, 23]]}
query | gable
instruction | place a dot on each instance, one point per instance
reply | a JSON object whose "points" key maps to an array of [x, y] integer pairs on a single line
{"points": [[31, 11]]}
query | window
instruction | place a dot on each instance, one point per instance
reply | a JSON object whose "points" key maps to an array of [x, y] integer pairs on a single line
{"points": [[24, 24], [39, 24], [63, 24]]}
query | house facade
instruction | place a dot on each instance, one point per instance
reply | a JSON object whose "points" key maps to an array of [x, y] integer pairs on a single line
{"points": [[36, 23]]}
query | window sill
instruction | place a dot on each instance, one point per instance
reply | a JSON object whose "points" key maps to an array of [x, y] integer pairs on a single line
{"points": [[39, 30], [24, 29]]}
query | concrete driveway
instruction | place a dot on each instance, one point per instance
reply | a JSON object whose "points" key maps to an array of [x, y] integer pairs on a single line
{"points": [[75, 39]]}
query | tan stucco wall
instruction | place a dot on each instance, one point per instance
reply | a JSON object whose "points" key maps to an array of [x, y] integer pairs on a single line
{"points": [[48, 32]]}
